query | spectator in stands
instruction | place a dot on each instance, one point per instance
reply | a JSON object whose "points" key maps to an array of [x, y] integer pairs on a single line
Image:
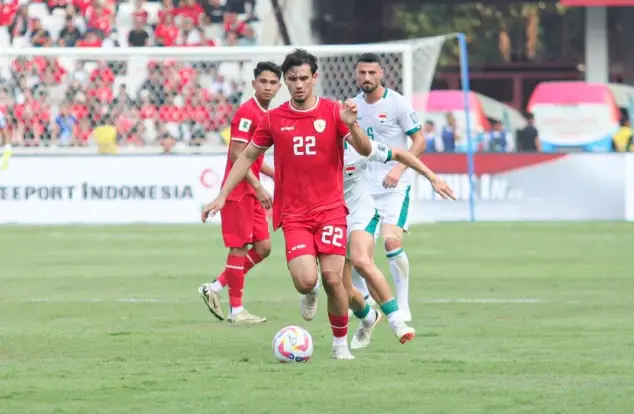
{"points": [[91, 39], [20, 24], [622, 139], [138, 37], [449, 134], [111, 42], [215, 11], [82, 132], [57, 4], [123, 99], [528, 137], [231, 38], [166, 33], [189, 9], [63, 129], [78, 20], [167, 7], [154, 86], [189, 35], [248, 37], [497, 140], [8, 10], [70, 34], [100, 18], [40, 37], [139, 12], [433, 143]]}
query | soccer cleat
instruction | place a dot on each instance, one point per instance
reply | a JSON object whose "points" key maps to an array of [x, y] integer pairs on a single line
{"points": [[308, 306], [245, 318], [212, 300], [361, 338], [406, 313], [403, 332], [341, 352]]}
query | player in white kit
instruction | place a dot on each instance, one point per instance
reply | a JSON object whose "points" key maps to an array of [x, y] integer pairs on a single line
{"points": [[363, 221], [387, 117]]}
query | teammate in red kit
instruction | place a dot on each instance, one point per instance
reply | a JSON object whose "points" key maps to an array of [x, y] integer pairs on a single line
{"points": [[308, 133], [243, 217]]}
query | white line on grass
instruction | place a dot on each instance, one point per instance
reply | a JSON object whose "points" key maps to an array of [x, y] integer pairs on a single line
{"points": [[430, 301]]}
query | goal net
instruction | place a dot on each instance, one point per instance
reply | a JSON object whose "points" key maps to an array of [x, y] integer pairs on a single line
{"points": [[143, 100]]}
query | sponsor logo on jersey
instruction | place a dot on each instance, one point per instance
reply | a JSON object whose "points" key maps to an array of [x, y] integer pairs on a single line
{"points": [[350, 170], [382, 117], [320, 125]]}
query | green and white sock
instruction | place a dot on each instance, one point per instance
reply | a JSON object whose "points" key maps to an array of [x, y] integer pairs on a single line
{"points": [[390, 309], [367, 315], [399, 267]]}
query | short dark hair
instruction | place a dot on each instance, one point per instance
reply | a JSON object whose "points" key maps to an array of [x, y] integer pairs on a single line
{"points": [[430, 122], [369, 58], [299, 57], [267, 66]]}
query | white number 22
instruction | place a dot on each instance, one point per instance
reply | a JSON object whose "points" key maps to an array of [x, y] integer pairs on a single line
{"points": [[304, 146], [332, 235]]}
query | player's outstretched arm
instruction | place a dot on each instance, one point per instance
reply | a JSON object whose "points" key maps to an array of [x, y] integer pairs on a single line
{"points": [[357, 138], [238, 172], [411, 161]]}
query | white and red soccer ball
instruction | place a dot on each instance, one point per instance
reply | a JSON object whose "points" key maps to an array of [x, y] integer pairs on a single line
{"points": [[293, 344]]}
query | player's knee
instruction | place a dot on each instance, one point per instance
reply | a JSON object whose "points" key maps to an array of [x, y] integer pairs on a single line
{"points": [[393, 243], [263, 248], [239, 251], [362, 263], [332, 281], [305, 286]]}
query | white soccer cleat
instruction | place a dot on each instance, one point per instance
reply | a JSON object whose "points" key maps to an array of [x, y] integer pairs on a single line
{"points": [[361, 338], [403, 332], [341, 352], [406, 314], [308, 306], [212, 300]]}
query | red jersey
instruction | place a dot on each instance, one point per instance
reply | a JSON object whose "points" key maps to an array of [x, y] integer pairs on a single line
{"points": [[243, 125], [308, 158]]}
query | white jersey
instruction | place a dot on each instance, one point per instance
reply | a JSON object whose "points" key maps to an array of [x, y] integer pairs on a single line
{"points": [[355, 188], [390, 121]]}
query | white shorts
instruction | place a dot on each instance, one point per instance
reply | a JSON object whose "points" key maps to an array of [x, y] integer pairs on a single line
{"points": [[363, 218], [393, 206]]}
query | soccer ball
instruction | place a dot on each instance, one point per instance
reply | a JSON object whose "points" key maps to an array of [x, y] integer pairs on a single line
{"points": [[293, 344]]}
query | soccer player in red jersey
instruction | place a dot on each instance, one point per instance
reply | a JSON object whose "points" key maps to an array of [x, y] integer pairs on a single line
{"points": [[243, 217], [308, 133]]}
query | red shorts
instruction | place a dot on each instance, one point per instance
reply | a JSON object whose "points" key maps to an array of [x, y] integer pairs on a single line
{"points": [[324, 232], [243, 222]]}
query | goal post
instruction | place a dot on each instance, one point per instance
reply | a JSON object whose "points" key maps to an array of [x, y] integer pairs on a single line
{"points": [[209, 81]]}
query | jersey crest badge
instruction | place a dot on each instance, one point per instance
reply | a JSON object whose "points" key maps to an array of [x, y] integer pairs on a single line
{"points": [[320, 125], [350, 170], [382, 117]]}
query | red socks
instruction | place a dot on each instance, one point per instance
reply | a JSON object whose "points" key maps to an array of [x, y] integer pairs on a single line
{"points": [[234, 271], [339, 325], [251, 259]]}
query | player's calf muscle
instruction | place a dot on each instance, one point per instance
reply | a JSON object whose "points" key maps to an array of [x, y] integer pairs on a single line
{"points": [[239, 251]]}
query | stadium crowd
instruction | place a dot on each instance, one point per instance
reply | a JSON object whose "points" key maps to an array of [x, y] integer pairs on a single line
{"points": [[58, 101]]}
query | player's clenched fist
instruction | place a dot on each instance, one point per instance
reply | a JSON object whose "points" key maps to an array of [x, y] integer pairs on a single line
{"points": [[213, 208], [348, 111]]}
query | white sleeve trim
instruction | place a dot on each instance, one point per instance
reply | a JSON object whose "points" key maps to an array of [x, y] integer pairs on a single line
{"points": [[246, 141], [259, 146], [348, 135]]}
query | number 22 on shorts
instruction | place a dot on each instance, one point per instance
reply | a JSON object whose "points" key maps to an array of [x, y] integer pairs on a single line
{"points": [[332, 235], [304, 145]]}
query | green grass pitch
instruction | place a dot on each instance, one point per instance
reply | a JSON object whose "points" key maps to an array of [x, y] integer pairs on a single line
{"points": [[511, 318]]}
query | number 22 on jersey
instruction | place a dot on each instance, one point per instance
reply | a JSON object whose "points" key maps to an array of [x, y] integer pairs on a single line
{"points": [[304, 145]]}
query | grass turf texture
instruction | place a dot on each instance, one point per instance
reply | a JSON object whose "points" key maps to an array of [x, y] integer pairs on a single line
{"points": [[511, 318]]}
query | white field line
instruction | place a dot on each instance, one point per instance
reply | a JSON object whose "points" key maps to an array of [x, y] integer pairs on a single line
{"points": [[429, 301]]}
